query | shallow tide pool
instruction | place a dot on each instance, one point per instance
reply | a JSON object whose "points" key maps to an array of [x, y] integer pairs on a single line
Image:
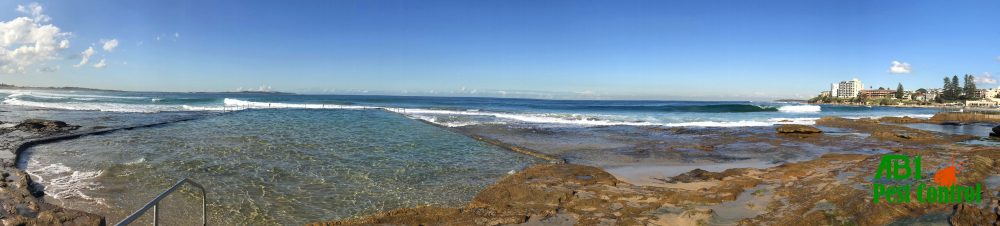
{"points": [[271, 167]]}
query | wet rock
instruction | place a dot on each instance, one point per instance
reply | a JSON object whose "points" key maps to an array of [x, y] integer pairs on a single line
{"points": [[891, 132], [38, 193], [971, 215], [965, 117], [43, 125], [901, 120], [57, 216], [697, 175], [797, 129], [538, 192], [996, 132]]}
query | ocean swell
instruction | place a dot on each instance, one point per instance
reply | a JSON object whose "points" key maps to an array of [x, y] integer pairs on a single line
{"points": [[574, 113]]}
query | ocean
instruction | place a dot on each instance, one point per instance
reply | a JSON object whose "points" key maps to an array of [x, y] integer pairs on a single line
{"points": [[461, 111], [285, 159]]}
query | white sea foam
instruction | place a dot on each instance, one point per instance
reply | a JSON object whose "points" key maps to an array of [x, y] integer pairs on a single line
{"points": [[137, 161], [529, 118], [920, 116], [53, 95], [111, 107], [575, 119], [237, 104], [450, 118], [432, 116], [799, 108], [62, 182]]}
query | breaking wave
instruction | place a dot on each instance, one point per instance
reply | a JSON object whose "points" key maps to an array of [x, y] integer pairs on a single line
{"points": [[580, 114]]}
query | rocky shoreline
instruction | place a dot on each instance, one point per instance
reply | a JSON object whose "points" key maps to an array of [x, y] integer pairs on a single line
{"points": [[830, 189], [833, 189], [21, 199]]}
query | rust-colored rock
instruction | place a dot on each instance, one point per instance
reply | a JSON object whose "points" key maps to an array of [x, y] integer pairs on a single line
{"points": [[43, 125], [964, 117], [891, 132], [901, 120], [797, 129], [971, 215], [698, 175], [538, 191]]}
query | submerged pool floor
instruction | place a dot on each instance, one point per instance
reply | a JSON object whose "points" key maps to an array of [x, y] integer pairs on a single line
{"points": [[272, 167]]}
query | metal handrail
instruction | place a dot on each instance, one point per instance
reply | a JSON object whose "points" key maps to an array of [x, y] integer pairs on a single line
{"points": [[156, 201]]}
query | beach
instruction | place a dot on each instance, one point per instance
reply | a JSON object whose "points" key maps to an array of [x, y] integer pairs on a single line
{"points": [[448, 162]]}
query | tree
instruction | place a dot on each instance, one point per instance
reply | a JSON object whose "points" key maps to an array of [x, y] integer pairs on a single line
{"points": [[921, 90], [956, 91], [899, 91], [970, 87], [945, 91]]}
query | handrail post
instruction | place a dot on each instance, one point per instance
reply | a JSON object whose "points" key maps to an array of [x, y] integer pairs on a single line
{"points": [[204, 209], [156, 214]]}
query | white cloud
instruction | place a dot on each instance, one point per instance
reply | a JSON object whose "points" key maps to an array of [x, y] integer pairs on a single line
{"points": [[25, 42], [44, 68], [998, 58], [177, 35], [35, 10], [100, 64], [110, 45], [85, 56], [986, 78], [899, 67]]}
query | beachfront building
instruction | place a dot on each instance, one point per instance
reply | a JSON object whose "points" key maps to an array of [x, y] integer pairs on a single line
{"points": [[987, 93], [987, 98], [932, 94], [984, 103], [879, 94], [824, 94], [992, 94], [846, 89]]}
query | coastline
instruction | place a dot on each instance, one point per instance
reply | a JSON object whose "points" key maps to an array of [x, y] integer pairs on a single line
{"points": [[830, 189], [932, 106], [593, 195]]}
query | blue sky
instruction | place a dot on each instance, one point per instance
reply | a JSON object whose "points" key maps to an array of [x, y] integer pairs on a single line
{"points": [[731, 50]]}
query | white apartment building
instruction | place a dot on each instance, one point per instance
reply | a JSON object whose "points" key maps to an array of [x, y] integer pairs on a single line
{"points": [[846, 89]]}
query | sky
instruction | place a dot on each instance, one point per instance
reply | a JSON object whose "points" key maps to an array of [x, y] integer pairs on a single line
{"points": [[680, 50]]}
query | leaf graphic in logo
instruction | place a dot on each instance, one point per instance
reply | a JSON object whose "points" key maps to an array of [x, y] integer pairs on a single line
{"points": [[946, 176]]}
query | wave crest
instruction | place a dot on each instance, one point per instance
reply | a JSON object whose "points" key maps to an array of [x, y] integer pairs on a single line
{"points": [[800, 108]]}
